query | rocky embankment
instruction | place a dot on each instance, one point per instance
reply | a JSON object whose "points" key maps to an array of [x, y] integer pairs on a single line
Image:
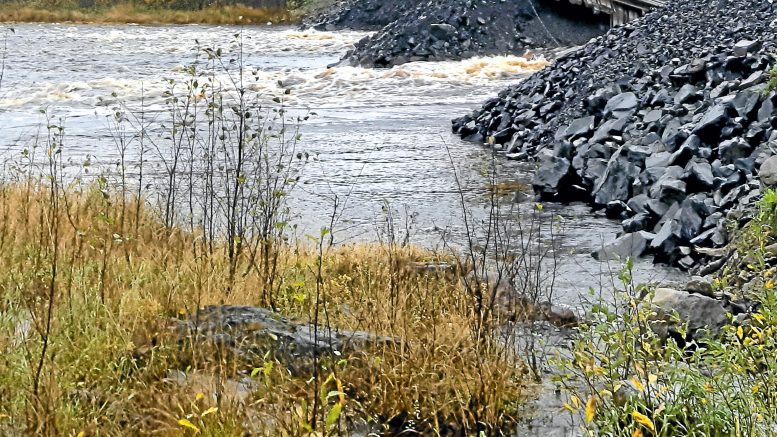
{"points": [[358, 14], [664, 123], [435, 30]]}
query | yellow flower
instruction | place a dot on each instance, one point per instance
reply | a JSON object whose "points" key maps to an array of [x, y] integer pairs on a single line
{"points": [[769, 284], [643, 420], [637, 433]]}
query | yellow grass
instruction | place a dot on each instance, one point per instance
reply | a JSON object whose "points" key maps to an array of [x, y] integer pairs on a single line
{"points": [[122, 280], [127, 13]]}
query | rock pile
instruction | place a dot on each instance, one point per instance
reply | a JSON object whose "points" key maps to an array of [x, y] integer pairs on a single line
{"points": [[663, 123], [434, 30], [358, 14]]}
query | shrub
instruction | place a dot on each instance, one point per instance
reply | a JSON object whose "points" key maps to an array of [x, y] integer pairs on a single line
{"points": [[623, 378]]}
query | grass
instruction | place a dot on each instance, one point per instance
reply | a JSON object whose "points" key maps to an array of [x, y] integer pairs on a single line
{"points": [[624, 378], [114, 280], [142, 14], [772, 85]]}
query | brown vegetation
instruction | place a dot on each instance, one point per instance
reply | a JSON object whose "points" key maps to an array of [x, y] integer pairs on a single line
{"points": [[98, 283], [131, 13]]}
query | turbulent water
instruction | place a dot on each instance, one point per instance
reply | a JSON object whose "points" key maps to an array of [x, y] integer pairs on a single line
{"points": [[380, 137]]}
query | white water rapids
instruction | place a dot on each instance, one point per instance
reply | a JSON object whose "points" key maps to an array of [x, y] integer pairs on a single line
{"points": [[380, 137]]}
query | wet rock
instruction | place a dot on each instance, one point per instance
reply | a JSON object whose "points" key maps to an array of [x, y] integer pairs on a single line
{"points": [[442, 31], [616, 182], [667, 120], [629, 245], [638, 222], [549, 177], [436, 30]]}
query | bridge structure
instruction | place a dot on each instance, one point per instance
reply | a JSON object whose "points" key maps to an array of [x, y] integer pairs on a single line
{"points": [[620, 11]]}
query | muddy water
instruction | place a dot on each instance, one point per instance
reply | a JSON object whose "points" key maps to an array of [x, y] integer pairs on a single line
{"points": [[381, 138]]}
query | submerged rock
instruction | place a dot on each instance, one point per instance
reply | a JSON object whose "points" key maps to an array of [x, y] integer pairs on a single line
{"points": [[629, 245]]}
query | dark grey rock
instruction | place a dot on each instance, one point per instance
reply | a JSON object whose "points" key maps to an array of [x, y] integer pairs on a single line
{"points": [[699, 175], [442, 31], [550, 175], [713, 121], [704, 315], [621, 104], [638, 222], [731, 150], [745, 46], [629, 245], [580, 127], [254, 333], [687, 94], [689, 221]]}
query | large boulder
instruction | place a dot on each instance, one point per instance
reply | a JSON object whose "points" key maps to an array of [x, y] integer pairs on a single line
{"points": [[703, 314], [253, 333]]}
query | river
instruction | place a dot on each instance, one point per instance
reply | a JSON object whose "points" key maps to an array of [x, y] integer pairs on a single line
{"points": [[380, 137]]}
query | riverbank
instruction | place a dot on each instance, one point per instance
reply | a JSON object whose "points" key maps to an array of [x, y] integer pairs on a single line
{"points": [[113, 322], [668, 139], [138, 14]]}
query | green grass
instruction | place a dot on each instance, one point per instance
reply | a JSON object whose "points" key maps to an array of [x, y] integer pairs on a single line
{"points": [[625, 379], [772, 86]]}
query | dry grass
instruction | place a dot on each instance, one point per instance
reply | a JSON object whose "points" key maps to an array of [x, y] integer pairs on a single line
{"points": [[121, 278], [128, 13]]}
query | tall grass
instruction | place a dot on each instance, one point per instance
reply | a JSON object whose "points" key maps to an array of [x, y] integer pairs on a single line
{"points": [[96, 275]]}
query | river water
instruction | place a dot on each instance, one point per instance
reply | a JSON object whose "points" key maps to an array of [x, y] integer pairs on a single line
{"points": [[381, 138]]}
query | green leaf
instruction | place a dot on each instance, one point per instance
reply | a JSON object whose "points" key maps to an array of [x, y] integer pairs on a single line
{"points": [[333, 415]]}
